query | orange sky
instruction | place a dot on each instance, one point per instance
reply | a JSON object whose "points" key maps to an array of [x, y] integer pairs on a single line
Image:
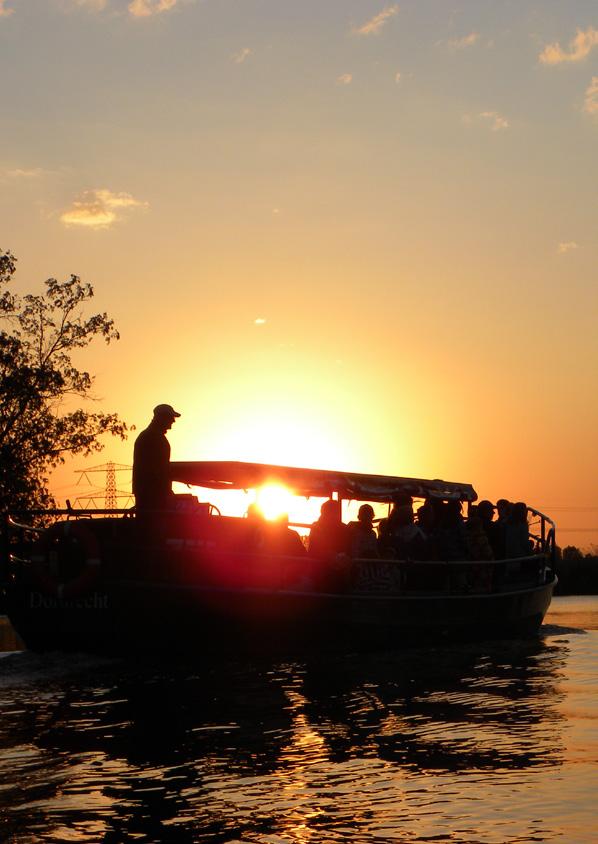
{"points": [[360, 236]]}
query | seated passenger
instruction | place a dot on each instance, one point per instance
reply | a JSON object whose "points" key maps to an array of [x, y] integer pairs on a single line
{"points": [[329, 536], [252, 537], [517, 541], [492, 529], [426, 521], [450, 533], [279, 538], [503, 508], [478, 544], [364, 542], [401, 537]]}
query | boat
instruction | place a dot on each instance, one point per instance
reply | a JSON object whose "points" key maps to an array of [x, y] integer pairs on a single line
{"points": [[193, 578]]}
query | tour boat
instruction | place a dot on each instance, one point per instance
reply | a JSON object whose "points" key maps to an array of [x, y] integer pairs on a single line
{"points": [[192, 578]]}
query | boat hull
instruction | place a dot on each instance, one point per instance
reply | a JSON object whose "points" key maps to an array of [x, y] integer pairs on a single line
{"points": [[122, 615]]}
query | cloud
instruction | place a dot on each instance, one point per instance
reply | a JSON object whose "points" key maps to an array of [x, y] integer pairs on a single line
{"points": [[147, 8], [375, 24], [98, 209], [590, 104], [567, 246], [466, 41], [20, 173], [92, 5], [498, 122], [579, 47], [240, 57], [4, 12]]}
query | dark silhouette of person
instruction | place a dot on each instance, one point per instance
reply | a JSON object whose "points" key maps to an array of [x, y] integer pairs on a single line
{"points": [[364, 542], [152, 486], [281, 539], [452, 536], [426, 521], [492, 529], [478, 542], [329, 536], [503, 507], [517, 541], [252, 537], [400, 537]]}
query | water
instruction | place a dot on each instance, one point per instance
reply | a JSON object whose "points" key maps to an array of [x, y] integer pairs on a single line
{"points": [[494, 743]]}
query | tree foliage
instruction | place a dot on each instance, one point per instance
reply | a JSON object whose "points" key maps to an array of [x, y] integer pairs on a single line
{"points": [[39, 384]]}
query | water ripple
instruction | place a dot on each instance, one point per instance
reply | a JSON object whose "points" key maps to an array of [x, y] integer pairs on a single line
{"points": [[492, 743]]}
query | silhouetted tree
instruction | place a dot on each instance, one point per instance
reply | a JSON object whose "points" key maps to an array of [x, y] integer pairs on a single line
{"points": [[38, 379]]}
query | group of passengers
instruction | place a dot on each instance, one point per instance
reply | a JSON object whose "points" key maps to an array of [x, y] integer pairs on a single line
{"points": [[438, 531]]}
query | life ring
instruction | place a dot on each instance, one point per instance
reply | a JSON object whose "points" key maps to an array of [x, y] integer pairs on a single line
{"points": [[52, 555]]}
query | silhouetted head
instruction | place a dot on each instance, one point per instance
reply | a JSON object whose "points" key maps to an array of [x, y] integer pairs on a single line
{"points": [[519, 513], [254, 514], [504, 508], [402, 509], [330, 511], [401, 514], [485, 510], [453, 512], [365, 514], [426, 517], [164, 416]]}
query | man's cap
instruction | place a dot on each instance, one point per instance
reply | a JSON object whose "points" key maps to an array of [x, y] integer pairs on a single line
{"points": [[165, 410]]}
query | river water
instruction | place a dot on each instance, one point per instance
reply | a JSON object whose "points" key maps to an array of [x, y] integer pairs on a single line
{"points": [[490, 742]]}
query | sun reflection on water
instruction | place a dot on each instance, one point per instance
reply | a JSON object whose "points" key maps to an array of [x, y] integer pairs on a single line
{"points": [[463, 744]]}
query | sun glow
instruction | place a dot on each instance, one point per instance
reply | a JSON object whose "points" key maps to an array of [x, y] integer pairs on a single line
{"points": [[274, 500]]}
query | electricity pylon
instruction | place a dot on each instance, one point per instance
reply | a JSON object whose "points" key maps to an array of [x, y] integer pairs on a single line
{"points": [[110, 494]]}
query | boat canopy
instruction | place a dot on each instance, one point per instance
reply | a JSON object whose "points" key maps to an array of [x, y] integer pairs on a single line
{"points": [[320, 483]]}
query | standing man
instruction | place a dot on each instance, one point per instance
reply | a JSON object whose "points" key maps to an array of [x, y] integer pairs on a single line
{"points": [[152, 486]]}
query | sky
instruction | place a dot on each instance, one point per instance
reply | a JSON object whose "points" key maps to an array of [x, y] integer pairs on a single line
{"points": [[348, 235]]}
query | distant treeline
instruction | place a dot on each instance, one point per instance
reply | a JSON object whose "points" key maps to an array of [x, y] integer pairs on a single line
{"points": [[577, 572]]}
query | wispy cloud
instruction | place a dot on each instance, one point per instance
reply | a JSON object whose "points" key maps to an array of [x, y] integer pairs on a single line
{"points": [[23, 173], [147, 8], [590, 103], [492, 118], [344, 79], [579, 48], [4, 11], [243, 54], [498, 121], [375, 24], [99, 209], [92, 5], [567, 246], [466, 41]]}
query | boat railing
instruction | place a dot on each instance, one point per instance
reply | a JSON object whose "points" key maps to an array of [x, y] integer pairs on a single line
{"points": [[542, 531], [455, 576], [406, 576], [359, 576]]}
